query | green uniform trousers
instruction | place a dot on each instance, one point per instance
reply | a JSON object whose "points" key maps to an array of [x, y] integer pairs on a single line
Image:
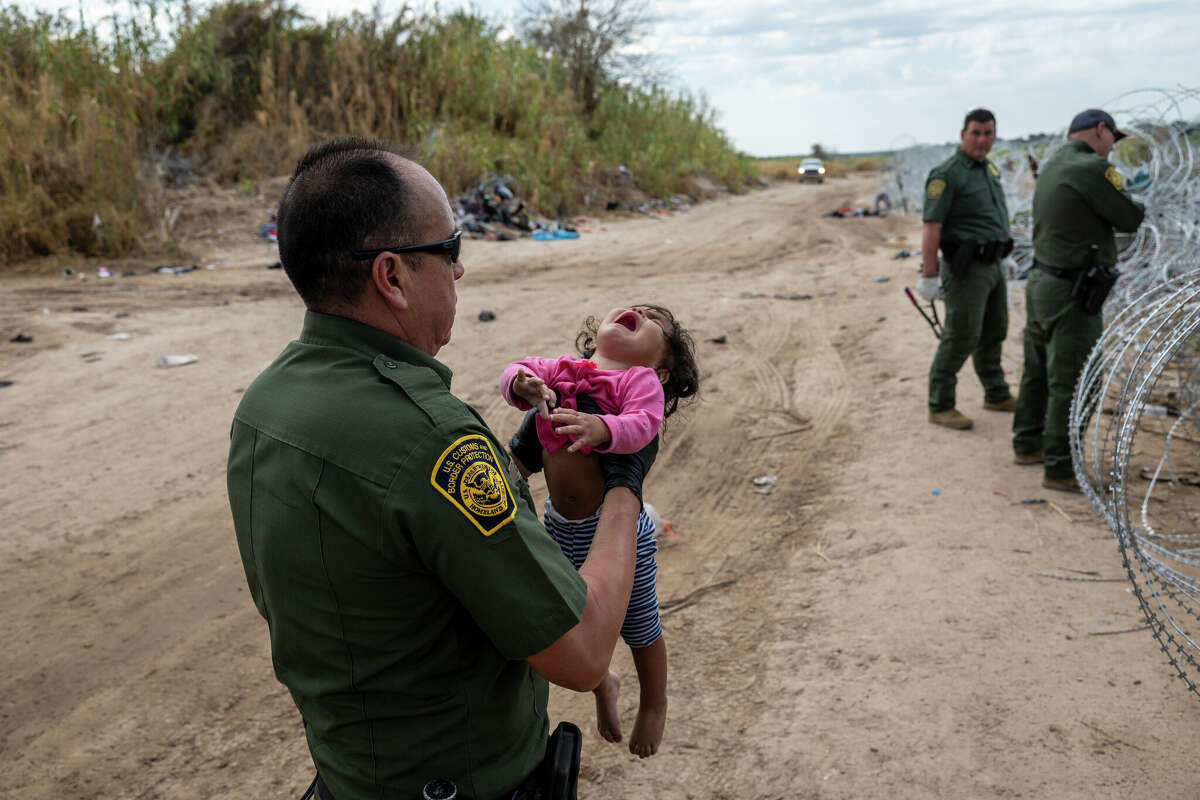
{"points": [[975, 326], [1058, 339]]}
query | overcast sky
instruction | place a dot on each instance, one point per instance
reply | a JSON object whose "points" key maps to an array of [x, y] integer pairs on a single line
{"points": [[877, 74]]}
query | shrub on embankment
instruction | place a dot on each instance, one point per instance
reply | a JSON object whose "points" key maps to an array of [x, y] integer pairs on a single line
{"points": [[89, 118]]}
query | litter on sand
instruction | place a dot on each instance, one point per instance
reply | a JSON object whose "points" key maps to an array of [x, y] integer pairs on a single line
{"points": [[118, 337], [177, 361], [765, 480], [21, 338], [487, 316]]}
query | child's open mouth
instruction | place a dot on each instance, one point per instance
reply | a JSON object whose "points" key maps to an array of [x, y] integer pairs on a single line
{"points": [[629, 319]]}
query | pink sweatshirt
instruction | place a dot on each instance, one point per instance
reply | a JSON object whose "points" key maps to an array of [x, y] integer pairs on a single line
{"points": [[632, 399]]}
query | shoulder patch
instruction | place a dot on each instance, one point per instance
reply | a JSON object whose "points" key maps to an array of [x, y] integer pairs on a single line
{"points": [[992, 168], [1114, 177], [468, 474], [935, 188]]}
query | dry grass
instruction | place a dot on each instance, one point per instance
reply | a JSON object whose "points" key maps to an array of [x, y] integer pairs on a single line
{"points": [[245, 87]]}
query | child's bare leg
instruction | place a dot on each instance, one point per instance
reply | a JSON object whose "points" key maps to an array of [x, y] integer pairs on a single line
{"points": [[608, 719], [651, 664]]}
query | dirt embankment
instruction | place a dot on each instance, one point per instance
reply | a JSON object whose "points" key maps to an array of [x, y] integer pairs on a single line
{"points": [[850, 634]]}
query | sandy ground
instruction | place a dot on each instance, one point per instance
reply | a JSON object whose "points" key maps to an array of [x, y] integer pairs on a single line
{"points": [[849, 635]]}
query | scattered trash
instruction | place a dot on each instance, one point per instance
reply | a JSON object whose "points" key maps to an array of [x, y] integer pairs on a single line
{"points": [[276, 265], [486, 316], [882, 280], [777, 296], [269, 230], [936, 492], [718, 340], [121, 314], [118, 337], [104, 272], [491, 206], [178, 269], [827, 294], [1032, 501], [1155, 412], [177, 361], [21, 338], [93, 356], [906, 254], [660, 525], [558, 233], [5, 384], [1000, 494], [69, 272], [838, 213], [73, 308], [764, 484]]}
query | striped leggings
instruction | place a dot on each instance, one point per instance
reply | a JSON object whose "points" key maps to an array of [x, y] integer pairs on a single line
{"points": [[642, 626]]}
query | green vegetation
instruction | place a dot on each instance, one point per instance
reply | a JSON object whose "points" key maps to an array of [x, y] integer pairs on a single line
{"points": [[244, 87]]}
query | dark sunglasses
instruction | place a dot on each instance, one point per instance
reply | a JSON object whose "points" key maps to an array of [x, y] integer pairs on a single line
{"points": [[447, 247]]}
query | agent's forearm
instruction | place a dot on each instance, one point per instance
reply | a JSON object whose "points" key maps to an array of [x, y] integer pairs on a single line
{"points": [[609, 567], [931, 237], [579, 659]]}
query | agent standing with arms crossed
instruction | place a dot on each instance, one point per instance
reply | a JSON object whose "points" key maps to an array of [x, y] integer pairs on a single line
{"points": [[1078, 202], [966, 216], [416, 606]]}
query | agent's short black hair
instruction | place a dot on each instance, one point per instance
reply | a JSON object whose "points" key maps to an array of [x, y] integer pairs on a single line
{"points": [[683, 378], [343, 196], [980, 115]]}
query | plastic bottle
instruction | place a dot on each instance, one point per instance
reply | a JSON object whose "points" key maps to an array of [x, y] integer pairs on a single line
{"points": [[177, 361]]}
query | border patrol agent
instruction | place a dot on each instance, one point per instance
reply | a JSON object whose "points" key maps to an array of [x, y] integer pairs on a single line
{"points": [[416, 606], [965, 215], [1078, 201]]}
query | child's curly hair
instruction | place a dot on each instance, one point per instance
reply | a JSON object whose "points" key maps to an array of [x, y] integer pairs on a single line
{"points": [[683, 379]]}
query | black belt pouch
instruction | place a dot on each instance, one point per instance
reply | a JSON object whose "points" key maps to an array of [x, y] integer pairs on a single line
{"points": [[1092, 286], [561, 767]]}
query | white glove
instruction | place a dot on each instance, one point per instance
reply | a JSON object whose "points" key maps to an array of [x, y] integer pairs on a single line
{"points": [[928, 287]]}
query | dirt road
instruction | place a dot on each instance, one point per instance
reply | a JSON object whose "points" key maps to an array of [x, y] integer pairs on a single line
{"points": [[851, 634]]}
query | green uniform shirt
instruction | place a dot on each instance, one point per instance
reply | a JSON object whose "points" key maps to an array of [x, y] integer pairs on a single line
{"points": [[402, 580], [966, 196], [1078, 201]]}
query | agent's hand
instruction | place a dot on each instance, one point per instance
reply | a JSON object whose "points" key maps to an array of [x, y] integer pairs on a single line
{"points": [[928, 288], [622, 469], [628, 469], [533, 390], [588, 429], [525, 446]]}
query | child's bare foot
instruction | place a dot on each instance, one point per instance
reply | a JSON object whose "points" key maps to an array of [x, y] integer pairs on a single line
{"points": [[608, 720], [648, 730]]}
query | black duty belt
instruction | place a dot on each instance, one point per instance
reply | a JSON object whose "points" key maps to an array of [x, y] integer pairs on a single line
{"points": [[1065, 274]]}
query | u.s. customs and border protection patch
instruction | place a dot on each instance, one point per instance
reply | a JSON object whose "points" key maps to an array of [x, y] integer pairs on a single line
{"points": [[1114, 177], [469, 475], [935, 188]]}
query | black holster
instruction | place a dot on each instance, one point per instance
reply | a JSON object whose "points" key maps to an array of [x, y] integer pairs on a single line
{"points": [[959, 253], [1093, 284], [557, 777]]}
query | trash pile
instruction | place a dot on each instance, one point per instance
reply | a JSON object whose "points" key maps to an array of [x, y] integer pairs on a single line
{"points": [[491, 210]]}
